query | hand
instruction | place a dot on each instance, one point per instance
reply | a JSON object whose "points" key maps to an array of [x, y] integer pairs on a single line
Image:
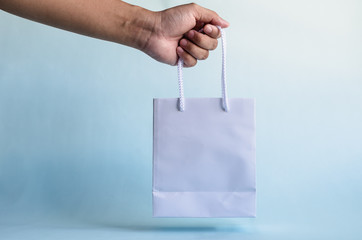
{"points": [[186, 31], [176, 34]]}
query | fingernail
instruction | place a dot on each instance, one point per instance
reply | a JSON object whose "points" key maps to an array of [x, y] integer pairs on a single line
{"points": [[183, 42], [208, 29], [191, 34], [180, 50]]}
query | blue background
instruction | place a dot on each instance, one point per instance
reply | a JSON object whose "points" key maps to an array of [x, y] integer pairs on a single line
{"points": [[76, 125]]}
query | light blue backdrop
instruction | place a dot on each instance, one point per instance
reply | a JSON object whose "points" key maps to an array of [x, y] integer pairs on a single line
{"points": [[76, 123]]}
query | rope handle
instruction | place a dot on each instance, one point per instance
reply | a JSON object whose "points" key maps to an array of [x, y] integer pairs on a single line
{"points": [[225, 101]]}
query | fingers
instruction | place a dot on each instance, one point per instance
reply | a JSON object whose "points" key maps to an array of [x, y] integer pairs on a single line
{"points": [[208, 42], [189, 61], [197, 45], [190, 52], [212, 31], [194, 50]]}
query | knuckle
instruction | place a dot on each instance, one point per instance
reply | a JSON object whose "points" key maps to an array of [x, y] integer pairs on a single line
{"points": [[197, 37], [193, 5], [190, 61], [204, 55], [214, 45], [219, 33], [193, 63], [193, 48]]}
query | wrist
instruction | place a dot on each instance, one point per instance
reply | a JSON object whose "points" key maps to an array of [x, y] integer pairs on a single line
{"points": [[136, 26]]}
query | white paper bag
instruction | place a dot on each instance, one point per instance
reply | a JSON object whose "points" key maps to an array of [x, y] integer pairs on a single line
{"points": [[204, 156]]}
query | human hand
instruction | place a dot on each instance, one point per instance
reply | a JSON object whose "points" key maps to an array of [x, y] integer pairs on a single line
{"points": [[187, 31], [177, 34]]}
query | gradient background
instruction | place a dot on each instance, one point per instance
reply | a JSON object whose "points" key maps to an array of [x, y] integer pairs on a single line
{"points": [[76, 125]]}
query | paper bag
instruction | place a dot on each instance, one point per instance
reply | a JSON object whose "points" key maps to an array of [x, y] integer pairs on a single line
{"points": [[204, 155]]}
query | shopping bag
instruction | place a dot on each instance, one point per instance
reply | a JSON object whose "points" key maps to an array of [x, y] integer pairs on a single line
{"points": [[204, 155]]}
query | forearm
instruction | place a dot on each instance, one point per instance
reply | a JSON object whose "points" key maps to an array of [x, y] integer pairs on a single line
{"points": [[111, 20], [187, 31]]}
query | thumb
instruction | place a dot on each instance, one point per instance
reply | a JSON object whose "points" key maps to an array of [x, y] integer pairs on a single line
{"points": [[208, 16]]}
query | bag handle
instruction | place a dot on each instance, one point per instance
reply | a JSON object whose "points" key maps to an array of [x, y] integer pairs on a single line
{"points": [[225, 101]]}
